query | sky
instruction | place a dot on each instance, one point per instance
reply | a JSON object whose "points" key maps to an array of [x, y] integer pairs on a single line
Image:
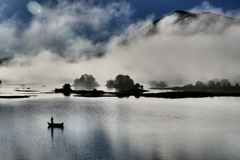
{"points": [[55, 36], [141, 8]]}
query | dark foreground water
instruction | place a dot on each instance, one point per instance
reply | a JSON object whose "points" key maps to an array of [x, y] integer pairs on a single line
{"points": [[112, 128]]}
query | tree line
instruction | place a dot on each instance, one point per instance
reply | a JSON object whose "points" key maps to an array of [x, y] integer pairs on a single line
{"points": [[214, 85], [120, 83], [126, 83]]}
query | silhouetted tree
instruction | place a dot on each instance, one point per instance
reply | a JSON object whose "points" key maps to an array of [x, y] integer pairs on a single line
{"points": [[199, 84], [110, 84], [123, 82], [211, 84], [228, 84], [189, 86], [85, 81], [67, 89], [137, 86], [237, 85], [66, 86], [218, 85], [224, 82], [160, 84]]}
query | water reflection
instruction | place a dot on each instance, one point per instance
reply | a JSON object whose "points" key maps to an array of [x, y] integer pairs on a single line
{"points": [[98, 145], [120, 129], [55, 128]]}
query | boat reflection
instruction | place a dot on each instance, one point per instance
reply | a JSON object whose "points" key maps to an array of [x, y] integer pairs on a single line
{"points": [[52, 130]]}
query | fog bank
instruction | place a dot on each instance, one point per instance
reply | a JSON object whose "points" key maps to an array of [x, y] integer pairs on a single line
{"points": [[52, 50]]}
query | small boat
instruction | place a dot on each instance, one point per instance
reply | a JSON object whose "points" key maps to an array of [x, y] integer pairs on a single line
{"points": [[55, 125]]}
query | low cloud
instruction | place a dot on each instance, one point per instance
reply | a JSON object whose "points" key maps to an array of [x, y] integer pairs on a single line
{"points": [[179, 53], [207, 7], [194, 49], [67, 29]]}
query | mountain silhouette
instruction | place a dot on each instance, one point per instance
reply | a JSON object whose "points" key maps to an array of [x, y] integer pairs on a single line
{"points": [[183, 18]]}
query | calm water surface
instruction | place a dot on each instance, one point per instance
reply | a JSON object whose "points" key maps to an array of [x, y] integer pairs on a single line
{"points": [[112, 128]]}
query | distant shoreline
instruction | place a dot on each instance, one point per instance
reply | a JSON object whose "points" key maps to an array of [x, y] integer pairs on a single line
{"points": [[14, 97], [166, 95]]}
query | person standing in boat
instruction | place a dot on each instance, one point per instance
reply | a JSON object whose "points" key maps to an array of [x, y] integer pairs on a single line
{"points": [[51, 119]]}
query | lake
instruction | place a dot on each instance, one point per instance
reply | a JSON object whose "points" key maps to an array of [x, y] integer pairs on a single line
{"points": [[114, 128]]}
